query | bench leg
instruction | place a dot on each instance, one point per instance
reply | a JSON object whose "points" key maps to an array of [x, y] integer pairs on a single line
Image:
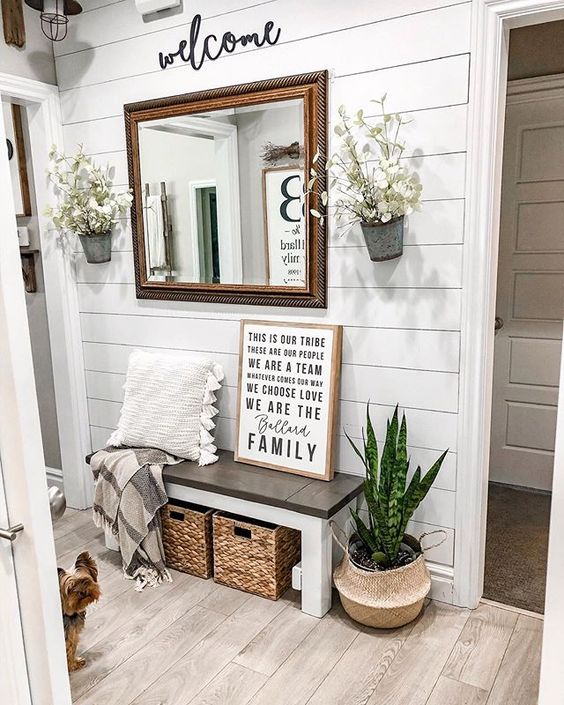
{"points": [[316, 567]]}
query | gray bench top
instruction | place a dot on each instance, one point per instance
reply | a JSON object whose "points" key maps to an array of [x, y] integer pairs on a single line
{"points": [[278, 489]]}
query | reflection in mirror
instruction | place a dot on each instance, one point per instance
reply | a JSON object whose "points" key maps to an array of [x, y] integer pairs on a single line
{"points": [[222, 196]]}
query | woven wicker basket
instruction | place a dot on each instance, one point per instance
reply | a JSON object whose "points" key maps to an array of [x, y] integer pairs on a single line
{"points": [[254, 556], [388, 598], [187, 538]]}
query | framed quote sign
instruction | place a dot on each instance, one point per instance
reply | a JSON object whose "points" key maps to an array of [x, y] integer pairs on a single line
{"points": [[284, 225], [288, 390]]}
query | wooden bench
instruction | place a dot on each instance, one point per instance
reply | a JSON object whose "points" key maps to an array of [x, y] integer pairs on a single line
{"points": [[280, 498]]}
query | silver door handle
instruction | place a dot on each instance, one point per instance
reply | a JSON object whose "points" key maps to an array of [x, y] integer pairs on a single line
{"points": [[498, 323], [11, 533]]}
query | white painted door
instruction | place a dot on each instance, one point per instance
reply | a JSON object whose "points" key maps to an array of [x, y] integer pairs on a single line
{"points": [[14, 683], [530, 290], [28, 578]]}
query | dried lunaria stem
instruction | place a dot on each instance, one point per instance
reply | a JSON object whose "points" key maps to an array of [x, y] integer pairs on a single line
{"points": [[272, 153]]}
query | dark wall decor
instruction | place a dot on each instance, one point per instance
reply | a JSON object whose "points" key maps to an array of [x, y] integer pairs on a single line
{"points": [[190, 115], [195, 52]]}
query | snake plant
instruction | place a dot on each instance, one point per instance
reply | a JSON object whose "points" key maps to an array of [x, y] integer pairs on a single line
{"points": [[390, 499]]}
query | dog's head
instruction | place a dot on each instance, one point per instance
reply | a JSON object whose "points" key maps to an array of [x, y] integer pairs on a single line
{"points": [[79, 586]]}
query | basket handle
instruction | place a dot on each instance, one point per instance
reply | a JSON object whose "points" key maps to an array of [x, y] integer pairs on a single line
{"points": [[433, 545], [335, 530], [242, 532]]}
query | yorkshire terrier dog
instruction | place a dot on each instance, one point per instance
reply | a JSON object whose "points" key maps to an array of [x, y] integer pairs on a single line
{"points": [[79, 588]]}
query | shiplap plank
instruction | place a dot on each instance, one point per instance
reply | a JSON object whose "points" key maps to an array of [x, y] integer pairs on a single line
{"points": [[399, 308], [417, 86], [423, 350], [437, 509], [346, 460], [110, 62], [441, 174], [437, 223], [434, 131], [418, 389], [435, 390], [123, 21], [431, 430], [101, 357], [446, 78], [426, 266]]}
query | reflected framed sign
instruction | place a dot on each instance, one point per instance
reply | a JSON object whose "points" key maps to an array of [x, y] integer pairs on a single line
{"points": [[219, 212]]}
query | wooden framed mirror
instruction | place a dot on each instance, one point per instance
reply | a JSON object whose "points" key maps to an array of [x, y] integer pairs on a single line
{"points": [[219, 212]]}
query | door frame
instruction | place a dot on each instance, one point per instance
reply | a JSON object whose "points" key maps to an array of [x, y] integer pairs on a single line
{"points": [[491, 23], [45, 127]]}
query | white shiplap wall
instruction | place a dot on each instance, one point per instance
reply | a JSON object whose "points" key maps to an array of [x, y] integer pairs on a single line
{"points": [[401, 319]]}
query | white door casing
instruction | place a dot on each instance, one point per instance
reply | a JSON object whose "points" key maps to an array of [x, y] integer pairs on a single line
{"points": [[491, 23], [43, 111], [530, 285]]}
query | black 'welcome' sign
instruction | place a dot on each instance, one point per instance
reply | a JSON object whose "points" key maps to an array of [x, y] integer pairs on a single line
{"points": [[194, 52]]}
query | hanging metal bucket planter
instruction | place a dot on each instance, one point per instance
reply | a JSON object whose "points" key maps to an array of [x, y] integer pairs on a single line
{"points": [[384, 241], [97, 248]]}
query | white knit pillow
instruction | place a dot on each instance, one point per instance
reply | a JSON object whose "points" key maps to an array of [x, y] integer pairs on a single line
{"points": [[169, 405]]}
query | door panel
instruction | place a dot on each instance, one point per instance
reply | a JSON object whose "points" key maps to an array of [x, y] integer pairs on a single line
{"points": [[14, 683], [530, 293]]}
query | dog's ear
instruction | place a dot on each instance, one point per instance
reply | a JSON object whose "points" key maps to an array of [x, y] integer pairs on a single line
{"points": [[85, 561]]}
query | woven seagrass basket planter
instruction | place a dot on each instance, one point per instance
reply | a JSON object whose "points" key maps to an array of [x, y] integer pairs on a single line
{"points": [[188, 538], [254, 556], [387, 598]]}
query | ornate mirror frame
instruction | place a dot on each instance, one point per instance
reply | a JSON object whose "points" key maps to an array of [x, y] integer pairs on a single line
{"points": [[312, 88]]}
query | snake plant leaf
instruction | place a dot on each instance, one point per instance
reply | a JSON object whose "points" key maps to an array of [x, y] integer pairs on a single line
{"points": [[371, 497], [364, 532], [371, 446], [431, 476], [389, 453], [411, 494], [387, 540], [356, 450]]}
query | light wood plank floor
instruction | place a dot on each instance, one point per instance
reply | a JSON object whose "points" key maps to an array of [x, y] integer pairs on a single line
{"points": [[191, 642]]}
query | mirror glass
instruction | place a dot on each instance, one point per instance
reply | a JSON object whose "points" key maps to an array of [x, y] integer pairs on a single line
{"points": [[222, 196]]}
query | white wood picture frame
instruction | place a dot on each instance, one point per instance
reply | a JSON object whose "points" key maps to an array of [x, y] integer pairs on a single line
{"points": [[284, 226], [287, 395]]}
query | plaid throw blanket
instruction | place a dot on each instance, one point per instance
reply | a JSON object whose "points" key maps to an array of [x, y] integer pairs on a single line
{"points": [[129, 493]]}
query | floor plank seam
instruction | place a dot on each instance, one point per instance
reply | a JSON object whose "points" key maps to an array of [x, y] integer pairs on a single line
{"points": [[332, 669], [502, 659], [469, 612]]}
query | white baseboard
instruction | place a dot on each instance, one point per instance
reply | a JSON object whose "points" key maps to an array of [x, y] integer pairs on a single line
{"points": [[54, 477], [442, 582]]}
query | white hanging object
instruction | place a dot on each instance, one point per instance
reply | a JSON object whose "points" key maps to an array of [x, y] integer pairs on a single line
{"points": [[147, 7]]}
